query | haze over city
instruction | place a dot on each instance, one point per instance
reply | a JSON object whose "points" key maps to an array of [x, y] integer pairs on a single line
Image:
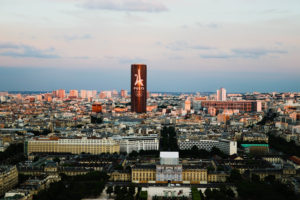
{"points": [[187, 45]]}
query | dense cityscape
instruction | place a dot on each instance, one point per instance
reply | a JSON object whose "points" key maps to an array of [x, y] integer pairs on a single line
{"points": [[115, 145], [149, 100]]}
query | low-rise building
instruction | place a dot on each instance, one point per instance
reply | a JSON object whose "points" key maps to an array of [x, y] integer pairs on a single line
{"points": [[146, 143], [120, 176], [170, 170]]}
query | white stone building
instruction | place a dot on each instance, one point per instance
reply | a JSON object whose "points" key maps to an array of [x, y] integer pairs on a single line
{"points": [[146, 143], [226, 146]]}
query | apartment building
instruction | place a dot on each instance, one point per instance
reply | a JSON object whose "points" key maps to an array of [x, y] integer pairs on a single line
{"points": [[72, 145], [8, 178], [226, 146]]}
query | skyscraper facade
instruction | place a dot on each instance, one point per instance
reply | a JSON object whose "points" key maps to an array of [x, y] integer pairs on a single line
{"points": [[221, 94], [138, 88]]}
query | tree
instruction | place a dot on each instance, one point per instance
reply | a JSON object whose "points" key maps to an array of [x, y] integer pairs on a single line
{"points": [[235, 176], [128, 168], [109, 190], [207, 192], [36, 158], [75, 187], [56, 159], [133, 154], [117, 189], [13, 154], [119, 167], [270, 179], [255, 178], [230, 193], [124, 190], [143, 195], [201, 194], [195, 194], [131, 190]]}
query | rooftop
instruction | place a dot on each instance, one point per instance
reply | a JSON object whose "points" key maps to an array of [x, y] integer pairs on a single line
{"points": [[169, 154]]}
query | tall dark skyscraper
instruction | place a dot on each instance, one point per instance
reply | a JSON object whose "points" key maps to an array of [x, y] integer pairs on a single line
{"points": [[138, 88]]}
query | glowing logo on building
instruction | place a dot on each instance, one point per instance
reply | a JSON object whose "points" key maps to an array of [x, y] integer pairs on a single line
{"points": [[139, 85], [139, 80]]}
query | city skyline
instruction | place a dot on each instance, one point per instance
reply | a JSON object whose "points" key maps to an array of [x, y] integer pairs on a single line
{"points": [[194, 46]]}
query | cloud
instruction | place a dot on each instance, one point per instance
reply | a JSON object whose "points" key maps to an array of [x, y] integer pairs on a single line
{"points": [[275, 11], [217, 56], [8, 46], [125, 60], [134, 17], [77, 37], [183, 45], [256, 52], [244, 53], [126, 5], [177, 46], [184, 26], [209, 25], [25, 51], [176, 57], [201, 47]]}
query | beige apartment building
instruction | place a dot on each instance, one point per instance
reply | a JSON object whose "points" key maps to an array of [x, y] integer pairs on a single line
{"points": [[8, 178], [72, 145]]}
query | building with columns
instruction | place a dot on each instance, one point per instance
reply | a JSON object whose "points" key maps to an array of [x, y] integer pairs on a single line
{"points": [[170, 170]]}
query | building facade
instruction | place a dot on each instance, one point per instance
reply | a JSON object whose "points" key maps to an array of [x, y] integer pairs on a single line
{"points": [[138, 88], [226, 146], [169, 170], [143, 174], [194, 175], [8, 178], [221, 94], [242, 106], [129, 144], [72, 145], [97, 108]]}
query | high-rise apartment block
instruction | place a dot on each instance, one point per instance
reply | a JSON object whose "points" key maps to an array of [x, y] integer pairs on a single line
{"points": [[115, 93], [105, 94], [124, 93], [94, 93], [221, 94], [89, 94], [83, 94], [187, 105], [73, 94], [138, 88], [61, 94]]}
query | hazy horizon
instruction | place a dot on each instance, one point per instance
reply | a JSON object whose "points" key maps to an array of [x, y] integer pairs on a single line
{"points": [[243, 46]]}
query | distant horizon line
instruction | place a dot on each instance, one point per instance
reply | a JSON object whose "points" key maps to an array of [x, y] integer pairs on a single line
{"points": [[170, 92]]}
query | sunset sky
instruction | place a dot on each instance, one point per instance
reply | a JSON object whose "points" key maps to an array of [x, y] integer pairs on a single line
{"points": [[188, 45]]}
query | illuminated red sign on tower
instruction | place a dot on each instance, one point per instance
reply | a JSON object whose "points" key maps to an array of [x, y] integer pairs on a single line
{"points": [[138, 88]]}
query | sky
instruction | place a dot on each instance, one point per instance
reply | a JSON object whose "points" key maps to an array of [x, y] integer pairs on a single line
{"points": [[188, 45]]}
